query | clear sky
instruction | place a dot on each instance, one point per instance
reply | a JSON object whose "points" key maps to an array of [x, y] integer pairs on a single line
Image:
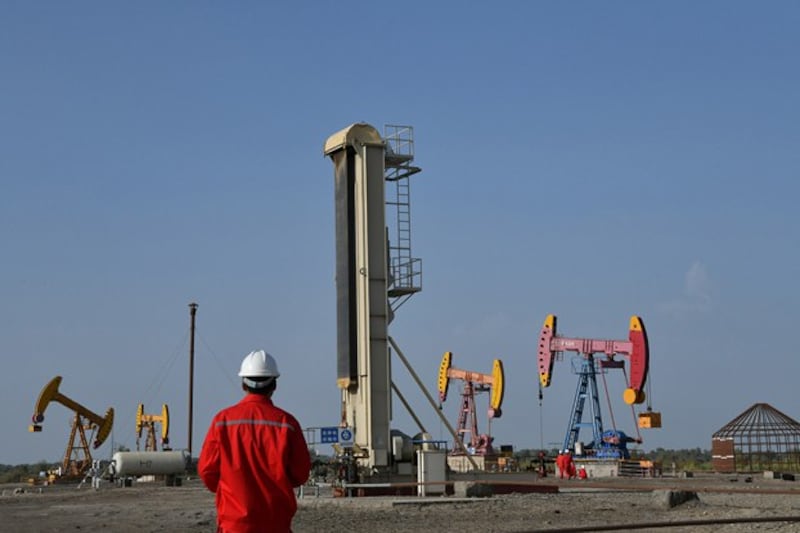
{"points": [[593, 160]]}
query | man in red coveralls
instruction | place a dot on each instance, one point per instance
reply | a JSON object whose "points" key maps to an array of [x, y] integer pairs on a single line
{"points": [[561, 464], [254, 455]]}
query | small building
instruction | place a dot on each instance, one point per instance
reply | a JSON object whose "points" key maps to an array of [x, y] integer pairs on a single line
{"points": [[760, 439]]}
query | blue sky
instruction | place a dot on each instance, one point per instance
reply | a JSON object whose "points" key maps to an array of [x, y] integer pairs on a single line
{"points": [[591, 160]]}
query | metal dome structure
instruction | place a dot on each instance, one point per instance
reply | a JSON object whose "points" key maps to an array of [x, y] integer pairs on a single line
{"points": [[761, 438]]}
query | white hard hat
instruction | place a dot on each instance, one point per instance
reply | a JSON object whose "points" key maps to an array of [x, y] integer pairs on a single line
{"points": [[259, 364]]}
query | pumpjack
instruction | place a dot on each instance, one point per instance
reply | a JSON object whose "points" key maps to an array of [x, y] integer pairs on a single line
{"points": [[611, 443], [77, 458], [148, 423], [470, 441]]}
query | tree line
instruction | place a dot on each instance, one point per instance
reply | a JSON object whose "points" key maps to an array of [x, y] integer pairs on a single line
{"points": [[20, 473], [692, 459]]}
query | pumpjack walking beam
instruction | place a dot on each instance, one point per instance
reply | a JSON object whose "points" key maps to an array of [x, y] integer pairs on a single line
{"points": [[635, 348]]}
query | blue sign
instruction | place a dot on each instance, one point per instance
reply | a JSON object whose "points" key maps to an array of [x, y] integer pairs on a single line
{"points": [[336, 435], [346, 436], [329, 435]]}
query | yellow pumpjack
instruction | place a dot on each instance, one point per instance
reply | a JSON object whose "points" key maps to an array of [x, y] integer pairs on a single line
{"points": [[77, 458]]}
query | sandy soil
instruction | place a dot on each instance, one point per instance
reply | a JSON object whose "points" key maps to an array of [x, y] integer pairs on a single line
{"points": [[578, 506]]}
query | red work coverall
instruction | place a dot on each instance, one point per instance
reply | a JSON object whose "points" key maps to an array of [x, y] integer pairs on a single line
{"points": [[253, 456]]}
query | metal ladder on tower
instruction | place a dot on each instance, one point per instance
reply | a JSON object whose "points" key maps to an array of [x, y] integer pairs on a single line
{"points": [[405, 271], [403, 248]]}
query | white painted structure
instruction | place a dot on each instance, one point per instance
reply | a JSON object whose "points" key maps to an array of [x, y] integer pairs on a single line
{"points": [[363, 363], [431, 472]]}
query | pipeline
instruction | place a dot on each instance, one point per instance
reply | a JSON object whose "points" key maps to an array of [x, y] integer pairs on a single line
{"points": [[668, 524]]}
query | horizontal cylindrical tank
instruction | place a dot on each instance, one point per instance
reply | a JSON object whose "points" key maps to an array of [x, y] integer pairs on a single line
{"points": [[149, 463]]}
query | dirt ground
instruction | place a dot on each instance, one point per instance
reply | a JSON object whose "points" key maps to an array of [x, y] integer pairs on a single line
{"points": [[742, 503]]}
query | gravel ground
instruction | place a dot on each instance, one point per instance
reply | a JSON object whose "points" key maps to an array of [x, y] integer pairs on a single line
{"points": [[578, 506]]}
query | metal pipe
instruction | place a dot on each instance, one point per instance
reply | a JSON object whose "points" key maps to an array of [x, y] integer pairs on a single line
{"points": [[421, 386], [671, 524], [193, 313], [408, 408]]}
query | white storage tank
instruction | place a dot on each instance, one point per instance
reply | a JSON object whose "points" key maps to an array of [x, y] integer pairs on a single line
{"points": [[149, 463]]}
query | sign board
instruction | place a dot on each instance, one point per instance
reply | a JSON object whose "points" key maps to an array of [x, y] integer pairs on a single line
{"points": [[336, 435], [346, 436], [329, 435]]}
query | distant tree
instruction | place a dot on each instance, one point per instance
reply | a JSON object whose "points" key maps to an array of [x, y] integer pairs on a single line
{"points": [[22, 472], [684, 459], [17, 474]]}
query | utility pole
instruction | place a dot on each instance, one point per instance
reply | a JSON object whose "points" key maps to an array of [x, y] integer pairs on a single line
{"points": [[193, 313]]}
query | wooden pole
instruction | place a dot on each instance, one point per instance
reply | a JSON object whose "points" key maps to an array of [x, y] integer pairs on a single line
{"points": [[193, 313]]}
